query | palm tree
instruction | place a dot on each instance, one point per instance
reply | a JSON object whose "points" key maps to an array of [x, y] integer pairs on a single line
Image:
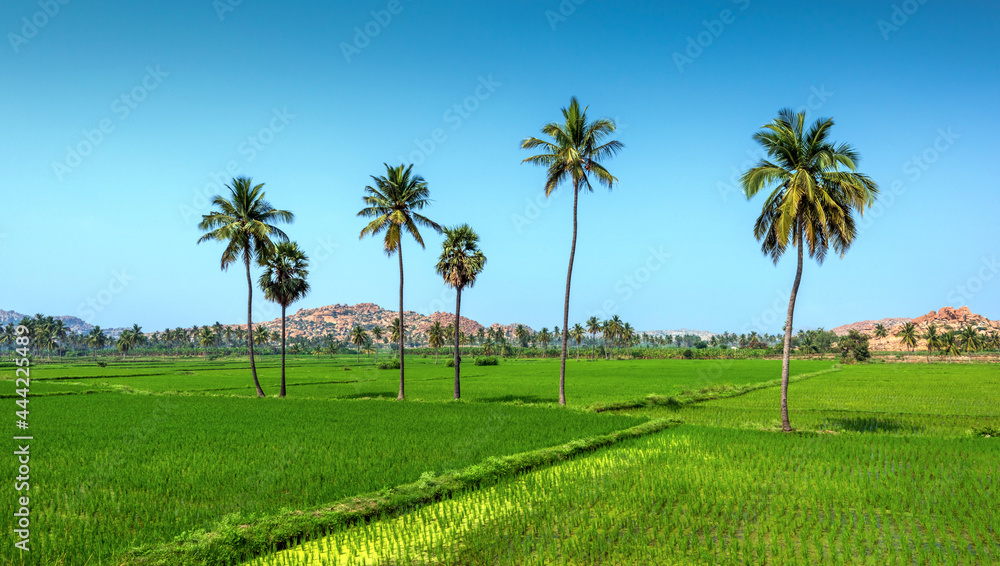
{"points": [[377, 334], [593, 327], [577, 333], [522, 335], [359, 337], [435, 338], [460, 264], [575, 152], [245, 221], [391, 203], [933, 340], [949, 344], [206, 338], [992, 342], [96, 339], [612, 332], [908, 336], [544, 338], [261, 335], [817, 189], [880, 331], [284, 282], [971, 340], [394, 334]]}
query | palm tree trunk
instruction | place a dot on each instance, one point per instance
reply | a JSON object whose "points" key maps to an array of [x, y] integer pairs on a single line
{"points": [[786, 356], [402, 332], [569, 280], [253, 365], [282, 393], [458, 358]]}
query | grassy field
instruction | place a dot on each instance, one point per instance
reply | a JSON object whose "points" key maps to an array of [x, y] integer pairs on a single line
{"points": [[142, 451], [528, 381], [940, 400], [114, 470], [706, 495]]}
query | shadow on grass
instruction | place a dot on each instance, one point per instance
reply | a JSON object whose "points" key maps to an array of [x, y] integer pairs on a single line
{"points": [[875, 424], [368, 395], [520, 399]]}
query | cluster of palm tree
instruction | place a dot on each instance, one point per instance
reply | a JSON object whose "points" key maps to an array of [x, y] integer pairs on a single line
{"points": [[48, 334], [969, 340], [245, 222], [392, 204]]}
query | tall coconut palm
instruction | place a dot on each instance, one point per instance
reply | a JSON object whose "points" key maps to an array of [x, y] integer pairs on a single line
{"points": [[395, 334], [522, 335], [392, 203], [933, 340], [574, 153], [949, 344], [206, 338], [377, 334], [435, 338], [577, 334], [972, 342], [246, 222], [544, 338], [908, 337], [816, 191], [593, 327], [284, 282], [96, 339], [359, 337], [460, 263], [261, 335], [880, 331]]}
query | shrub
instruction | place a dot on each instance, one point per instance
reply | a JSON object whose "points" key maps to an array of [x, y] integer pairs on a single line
{"points": [[389, 364], [102, 364], [490, 361], [450, 362], [688, 354]]}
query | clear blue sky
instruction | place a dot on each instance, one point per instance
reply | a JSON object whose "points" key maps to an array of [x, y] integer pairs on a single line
{"points": [[184, 90]]}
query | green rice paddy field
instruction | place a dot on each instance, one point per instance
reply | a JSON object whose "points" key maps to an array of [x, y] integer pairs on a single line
{"points": [[885, 468]]}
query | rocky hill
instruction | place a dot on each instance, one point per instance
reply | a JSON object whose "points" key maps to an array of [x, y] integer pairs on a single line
{"points": [[338, 320], [74, 324], [946, 319]]}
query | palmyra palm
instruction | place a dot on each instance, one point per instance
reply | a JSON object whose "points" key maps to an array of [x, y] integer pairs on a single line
{"points": [[284, 282], [392, 204], [574, 153], [246, 223], [816, 191], [460, 263]]}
